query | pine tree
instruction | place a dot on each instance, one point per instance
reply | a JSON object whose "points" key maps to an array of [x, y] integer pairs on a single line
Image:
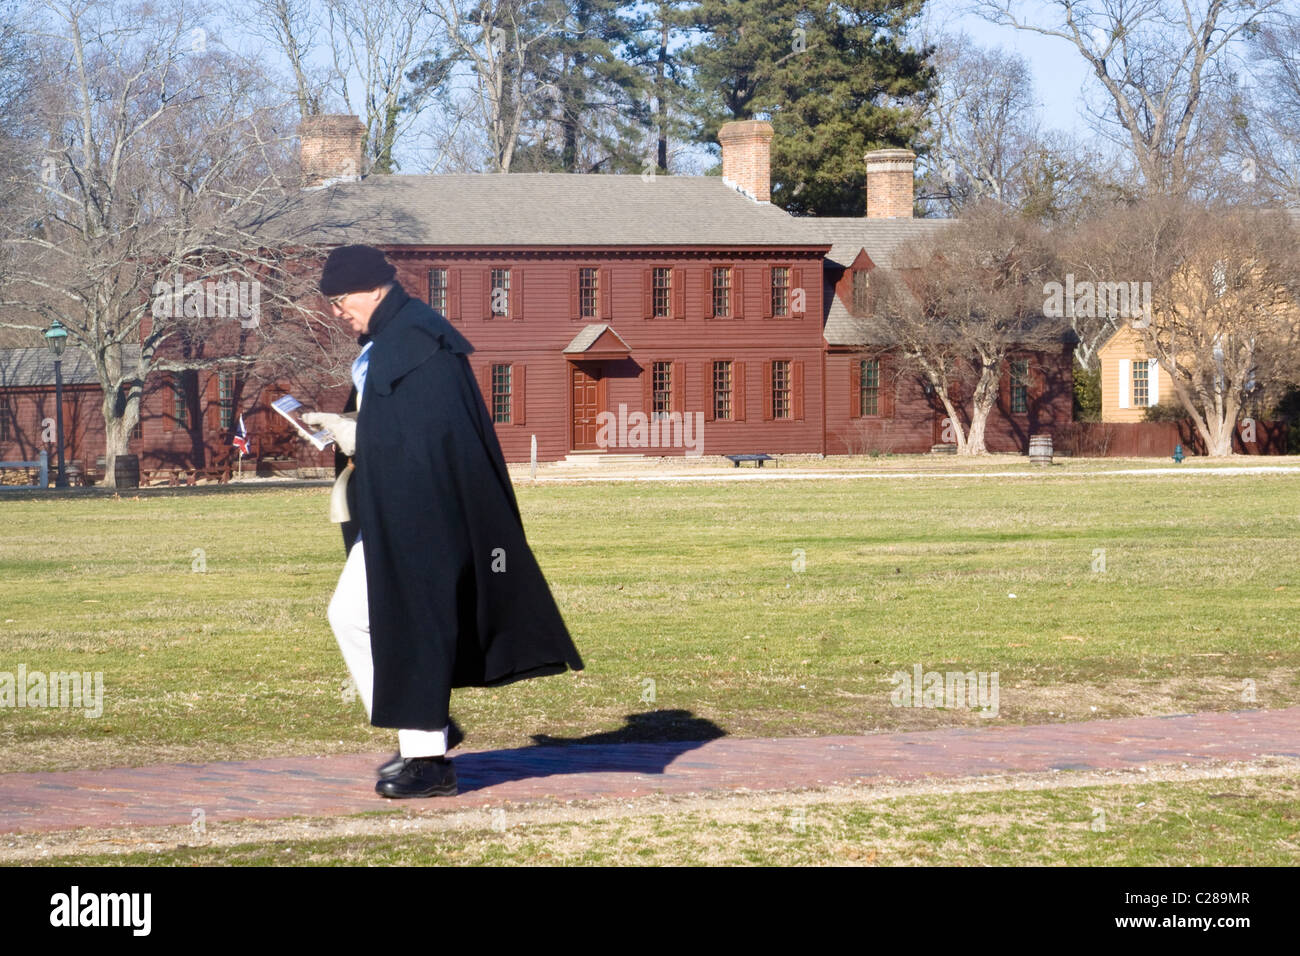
{"points": [[655, 28], [596, 116], [835, 80]]}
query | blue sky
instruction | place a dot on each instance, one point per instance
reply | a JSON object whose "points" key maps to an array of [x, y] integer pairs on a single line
{"points": [[1060, 74]]}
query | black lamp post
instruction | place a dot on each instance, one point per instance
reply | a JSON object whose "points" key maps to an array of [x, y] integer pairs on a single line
{"points": [[57, 339]]}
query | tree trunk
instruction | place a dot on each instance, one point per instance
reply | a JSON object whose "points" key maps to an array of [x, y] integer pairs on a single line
{"points": [[117, 434], [982, 402], [1217, 434], [1214, 418], [121, 415], [953, 417], [975, 438]]}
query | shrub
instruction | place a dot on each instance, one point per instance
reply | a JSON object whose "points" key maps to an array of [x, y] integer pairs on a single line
{"points": [[1170, 411]]}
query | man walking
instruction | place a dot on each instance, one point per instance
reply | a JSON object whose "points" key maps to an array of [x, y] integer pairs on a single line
{"points": [[440, 588]]}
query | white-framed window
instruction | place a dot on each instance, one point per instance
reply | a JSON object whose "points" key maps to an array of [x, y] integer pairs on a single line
{"points": [[1139, 383]]}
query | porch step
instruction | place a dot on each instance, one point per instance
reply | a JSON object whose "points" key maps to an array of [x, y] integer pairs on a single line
{"points": [[945, 449]]}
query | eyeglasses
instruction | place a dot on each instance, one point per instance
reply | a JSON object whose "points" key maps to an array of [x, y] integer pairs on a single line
{"points": [[337, 299]]}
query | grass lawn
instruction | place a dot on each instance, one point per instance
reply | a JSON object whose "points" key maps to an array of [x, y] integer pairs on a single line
{"points": [[206, 614]]}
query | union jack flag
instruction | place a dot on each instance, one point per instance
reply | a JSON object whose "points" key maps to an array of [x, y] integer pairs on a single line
{"points": [[240, 440]]}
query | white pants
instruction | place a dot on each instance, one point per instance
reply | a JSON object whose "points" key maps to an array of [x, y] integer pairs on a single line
{"points": [[349, 616]]}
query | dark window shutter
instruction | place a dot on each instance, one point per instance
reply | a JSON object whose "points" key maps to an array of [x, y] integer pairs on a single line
{"points": [[606, 297], [679, 387], [517, 400], [487, 292], [796, 284], [710, 402], [647, 293], [573, 295], [679, 293], [1004, 385], [738, 293], [767, 292], [453, 294], [738, 391], [796, 389], [517, 294], [208, 411], [485, 385], [855, 387], [708, 292], [767, 391], [648, 388]]}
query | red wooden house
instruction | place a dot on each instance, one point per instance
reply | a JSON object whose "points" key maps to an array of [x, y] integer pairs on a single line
{"points": [[625, 300], [653, 315]]}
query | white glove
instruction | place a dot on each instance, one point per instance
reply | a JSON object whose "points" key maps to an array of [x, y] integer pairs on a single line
{"points": [[342, 428]]}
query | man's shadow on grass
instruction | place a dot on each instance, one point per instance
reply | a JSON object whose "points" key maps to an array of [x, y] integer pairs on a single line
{"points": [[646, 744]]}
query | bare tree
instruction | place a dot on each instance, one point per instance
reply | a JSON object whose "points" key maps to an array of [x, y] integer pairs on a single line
{"points": [[500, 40], [394, 53], [1224, 317], [160, 158], [1153, 60], [986, 140], [984, 122], [959, 303], [17, 133], [1089, 257], [1262, 122], [291, 28]]}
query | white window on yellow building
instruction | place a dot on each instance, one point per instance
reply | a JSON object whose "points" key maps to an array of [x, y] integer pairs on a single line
{"points": [[1139, 383]]}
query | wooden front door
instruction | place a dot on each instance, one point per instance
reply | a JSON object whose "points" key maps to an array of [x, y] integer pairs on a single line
{"points": [[586, 406]]}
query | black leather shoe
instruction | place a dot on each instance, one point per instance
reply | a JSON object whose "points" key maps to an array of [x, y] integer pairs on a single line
{"points": [[394, 764], [420, 777]]}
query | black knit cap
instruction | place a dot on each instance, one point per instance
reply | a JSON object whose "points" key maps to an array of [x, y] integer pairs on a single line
{"points": [[355, 269]]}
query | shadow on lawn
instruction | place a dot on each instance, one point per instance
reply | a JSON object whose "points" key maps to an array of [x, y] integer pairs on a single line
{"points": [[647, 743]]}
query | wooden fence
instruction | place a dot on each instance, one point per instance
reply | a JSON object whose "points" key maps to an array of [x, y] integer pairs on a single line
{"points": [[1157, 439], [41, 468]]}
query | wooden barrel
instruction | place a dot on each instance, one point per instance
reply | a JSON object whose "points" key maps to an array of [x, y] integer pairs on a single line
{"points": [[1040, 449], [126, 471]]}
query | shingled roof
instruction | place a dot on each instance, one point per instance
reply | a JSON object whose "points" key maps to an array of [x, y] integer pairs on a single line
{"points": [[881, 238], [35, 367], [518, 209]]}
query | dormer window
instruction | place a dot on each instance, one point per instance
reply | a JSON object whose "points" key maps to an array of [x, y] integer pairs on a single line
{"points": [[861, 285]]}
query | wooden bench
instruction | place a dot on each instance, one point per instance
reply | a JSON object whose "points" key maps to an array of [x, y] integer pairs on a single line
{"points": [[757, 459], [174, 477]]}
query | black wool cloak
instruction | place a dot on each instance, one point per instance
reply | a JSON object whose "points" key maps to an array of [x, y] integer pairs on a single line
{"points": [[456, 597]]}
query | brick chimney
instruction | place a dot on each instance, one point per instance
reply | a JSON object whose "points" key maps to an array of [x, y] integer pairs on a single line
{"points": [[329, 149], [890, 174], [746, 157]]}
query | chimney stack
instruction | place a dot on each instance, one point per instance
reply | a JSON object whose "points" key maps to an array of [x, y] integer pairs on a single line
{"points": [[890, 179], [746, 157], [330, 149]]}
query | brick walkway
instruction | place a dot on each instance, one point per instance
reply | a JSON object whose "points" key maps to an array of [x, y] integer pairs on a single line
{"points": [[327, 786]]}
